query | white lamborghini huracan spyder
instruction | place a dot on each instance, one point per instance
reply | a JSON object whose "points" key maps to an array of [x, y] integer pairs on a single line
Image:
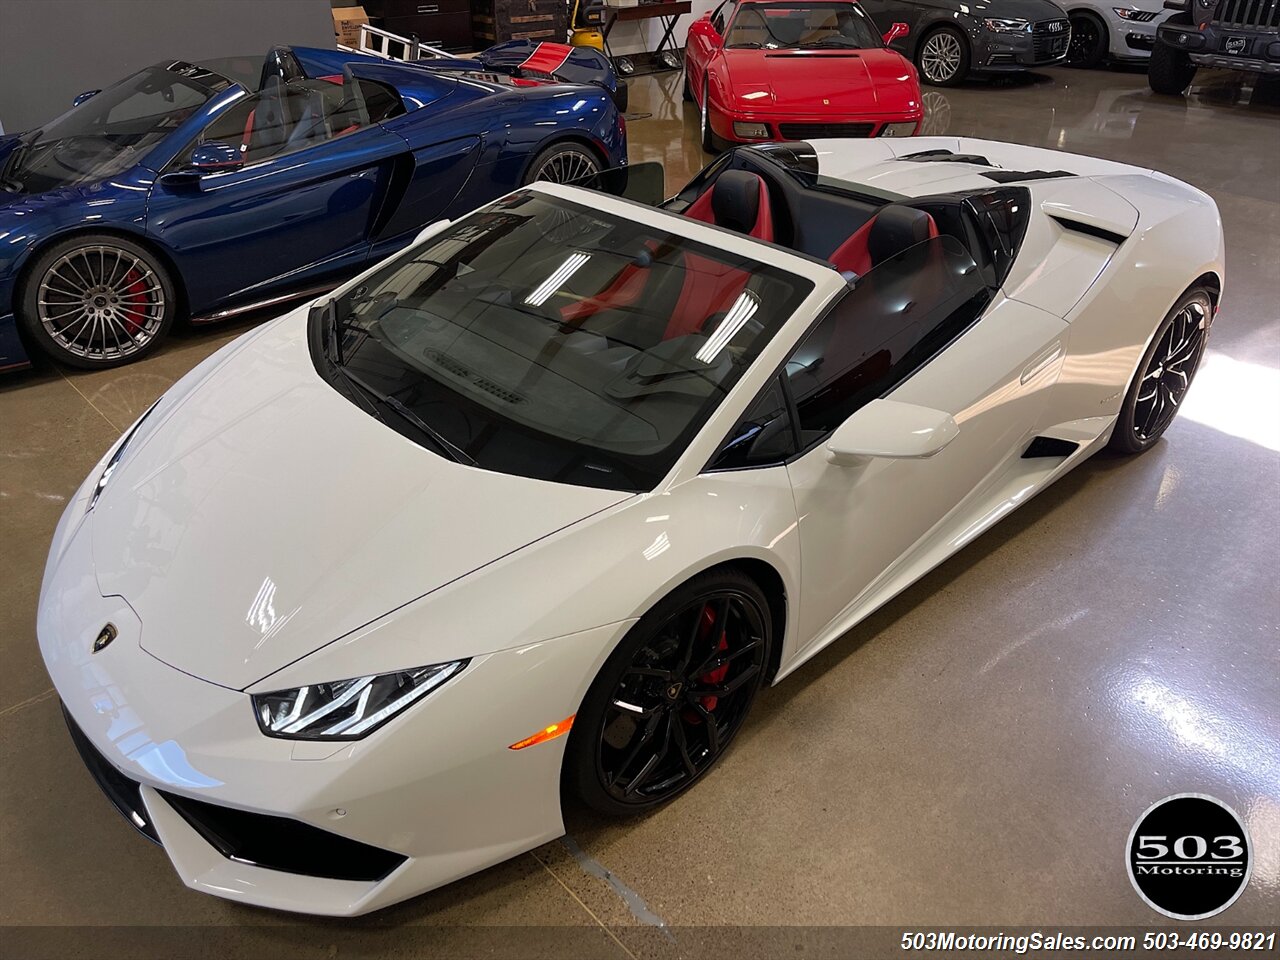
{"points": [[577, 465]]}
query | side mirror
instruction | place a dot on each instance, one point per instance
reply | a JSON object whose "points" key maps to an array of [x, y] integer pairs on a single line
{"points": [[216, 155], [87, 95], [896, 31], [888, 429]]}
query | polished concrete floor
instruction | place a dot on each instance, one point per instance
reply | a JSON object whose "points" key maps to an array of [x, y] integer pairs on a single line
{"points": [[976, 753]]}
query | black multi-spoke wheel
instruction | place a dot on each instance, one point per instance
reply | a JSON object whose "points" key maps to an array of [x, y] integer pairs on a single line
{"points": [[564, 162], [97, 301], [668, 702], [1089, 41], [1166, 371]]}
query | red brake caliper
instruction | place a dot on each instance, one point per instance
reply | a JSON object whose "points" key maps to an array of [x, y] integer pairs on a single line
{"points": [[719, 673], [134, 301]]}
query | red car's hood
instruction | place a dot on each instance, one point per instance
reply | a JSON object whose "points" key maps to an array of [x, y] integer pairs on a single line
{"points": [[822, 81]]}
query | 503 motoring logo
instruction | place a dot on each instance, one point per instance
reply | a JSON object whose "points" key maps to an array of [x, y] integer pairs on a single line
{"points": [[1189, 856]]}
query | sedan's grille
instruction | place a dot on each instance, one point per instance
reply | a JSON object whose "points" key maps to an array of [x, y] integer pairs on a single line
{"points": [[1248, 15], [1049, 40], [820, 131]]}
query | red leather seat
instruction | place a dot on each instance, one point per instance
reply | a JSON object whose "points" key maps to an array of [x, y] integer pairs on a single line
{"points": [[893, 229], [739, 201]]}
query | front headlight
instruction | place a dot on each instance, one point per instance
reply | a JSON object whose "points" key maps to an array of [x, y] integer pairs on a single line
{"points": [[115, 459], [998, 25], [346, 709], [898, 129]]}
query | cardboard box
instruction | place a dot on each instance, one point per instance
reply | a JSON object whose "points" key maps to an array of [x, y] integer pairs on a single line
{"points": [[346, 25]]}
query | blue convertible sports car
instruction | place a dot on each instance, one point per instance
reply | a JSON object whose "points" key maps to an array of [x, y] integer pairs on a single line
{"points": [[202, 190]]}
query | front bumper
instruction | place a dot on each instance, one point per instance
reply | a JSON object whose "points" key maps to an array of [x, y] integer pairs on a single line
{"points": [[431, 797], [1003, 52], [808, 126], [1224, 47]]}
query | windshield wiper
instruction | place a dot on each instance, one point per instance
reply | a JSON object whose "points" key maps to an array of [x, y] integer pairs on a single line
{"points": [[841, 42], [445, 445]]}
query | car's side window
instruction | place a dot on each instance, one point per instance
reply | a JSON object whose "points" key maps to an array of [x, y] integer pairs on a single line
{"points": [[286, 117], [764, 436], [717, 18], [895, 320]]}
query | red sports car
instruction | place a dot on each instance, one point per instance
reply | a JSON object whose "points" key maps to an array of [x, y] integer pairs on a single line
{"points": [[795, 70]]}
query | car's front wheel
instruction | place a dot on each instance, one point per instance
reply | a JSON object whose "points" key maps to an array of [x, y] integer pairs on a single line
{"points": [[563, 162], [672, 696], [97, 301], [1170, 71], [1167, 369], [1089, 40], [943, 57], [710, 142]]}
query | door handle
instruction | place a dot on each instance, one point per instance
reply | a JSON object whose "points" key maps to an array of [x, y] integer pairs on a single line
{"points": [[1042, 362]]}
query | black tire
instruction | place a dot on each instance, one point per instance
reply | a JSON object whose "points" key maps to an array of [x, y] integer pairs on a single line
{"points": [[564, 162], [622, 97], [686, 91], [1164, 375], [678, 718], [1170, 71], [710, 142], [950, 39], [1090, 41], [97, 301]]}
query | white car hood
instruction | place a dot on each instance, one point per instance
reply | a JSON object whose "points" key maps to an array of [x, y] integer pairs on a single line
{"points": [[265, 516]]}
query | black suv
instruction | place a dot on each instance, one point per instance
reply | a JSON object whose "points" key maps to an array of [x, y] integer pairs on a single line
{"points": [[1231, 34]]}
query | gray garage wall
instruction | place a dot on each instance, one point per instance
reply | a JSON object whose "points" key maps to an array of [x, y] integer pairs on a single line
{"points": [[50, 50]]}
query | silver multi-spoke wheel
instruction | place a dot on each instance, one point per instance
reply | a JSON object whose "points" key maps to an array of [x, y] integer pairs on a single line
{"points": [[101, 303], [1169, 371], [565, 165], [941, 57]]}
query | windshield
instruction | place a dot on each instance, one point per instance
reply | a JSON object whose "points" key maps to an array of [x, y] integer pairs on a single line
{"points": [[801, 26], [549, 340], [111, 131]]}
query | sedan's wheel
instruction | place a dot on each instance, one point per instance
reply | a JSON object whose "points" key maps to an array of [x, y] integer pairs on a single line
{"points": [[563, 163], [97, 301], [670, 699], [943, 57], [1166, 371], [1088, 41]]}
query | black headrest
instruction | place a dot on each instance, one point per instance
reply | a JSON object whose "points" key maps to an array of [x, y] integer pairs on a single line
{"points": [[896, 228], [735, 200]]}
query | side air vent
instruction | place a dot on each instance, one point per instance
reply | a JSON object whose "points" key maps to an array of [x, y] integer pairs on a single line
{"points": [[1089, 229], [1016, 176], [1049, 447], [946, 156]]}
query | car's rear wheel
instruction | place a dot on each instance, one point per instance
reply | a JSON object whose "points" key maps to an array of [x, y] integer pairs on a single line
{"points": [[1088, 41], [1165, 374], [97, 301], [563, 162], [1169, 71], [672, 696], [943, 57]]}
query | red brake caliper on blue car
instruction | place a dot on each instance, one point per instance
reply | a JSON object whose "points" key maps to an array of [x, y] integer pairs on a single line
{"points": [[134, 301]]}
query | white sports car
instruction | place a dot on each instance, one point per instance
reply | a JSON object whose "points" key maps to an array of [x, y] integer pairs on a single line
{"points": [[578, 465]]}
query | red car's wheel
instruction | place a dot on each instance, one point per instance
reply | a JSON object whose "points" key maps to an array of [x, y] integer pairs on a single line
{"points": [[710, 142]]}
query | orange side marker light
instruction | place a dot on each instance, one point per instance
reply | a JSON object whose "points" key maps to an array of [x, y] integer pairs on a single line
{"points": [[545, 734]]}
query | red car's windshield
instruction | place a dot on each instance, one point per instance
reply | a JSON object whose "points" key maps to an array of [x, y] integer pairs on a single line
{"points": [[801, 26]]}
